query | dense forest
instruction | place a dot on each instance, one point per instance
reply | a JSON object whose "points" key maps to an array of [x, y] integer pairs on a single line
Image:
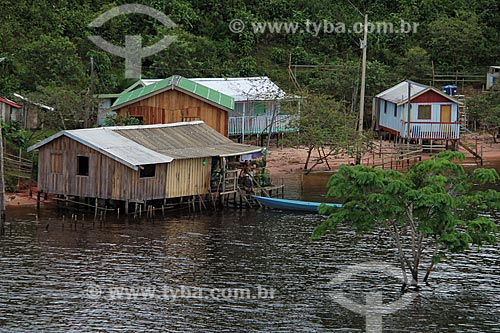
{"points": [[47, 51]]}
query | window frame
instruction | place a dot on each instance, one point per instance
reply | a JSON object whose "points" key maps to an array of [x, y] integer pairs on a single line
{"points": [[421, 107], [143, 172], [78, 171]]}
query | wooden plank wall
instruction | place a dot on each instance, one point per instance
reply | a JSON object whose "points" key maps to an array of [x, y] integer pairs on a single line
{"points": [[108, 179], [173, 106], [188, 177]]}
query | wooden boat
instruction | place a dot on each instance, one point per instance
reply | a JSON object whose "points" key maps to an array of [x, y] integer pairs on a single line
{"points": [[297, 205]]}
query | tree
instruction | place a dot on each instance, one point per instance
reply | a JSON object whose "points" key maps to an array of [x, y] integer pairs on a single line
{"points": [[449, 36], [430, 212], [484, 112], [322, 123], [415, 65]]}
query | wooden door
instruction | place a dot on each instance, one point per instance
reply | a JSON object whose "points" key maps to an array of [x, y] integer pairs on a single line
{"points": [[446, 118], [446, 113]]}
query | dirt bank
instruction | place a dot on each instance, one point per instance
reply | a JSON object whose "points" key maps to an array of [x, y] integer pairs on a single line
{"points": [[291, 160]]}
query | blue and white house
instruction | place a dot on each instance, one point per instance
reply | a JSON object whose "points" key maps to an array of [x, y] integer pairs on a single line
{"points": [[432, 115]]}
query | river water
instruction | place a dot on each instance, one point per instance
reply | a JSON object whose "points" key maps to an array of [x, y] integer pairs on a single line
{"points": [[231, 271]]}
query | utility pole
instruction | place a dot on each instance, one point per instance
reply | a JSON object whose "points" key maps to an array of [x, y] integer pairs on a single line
{"points": [[363, 83], [90, 107], [2, 180]]}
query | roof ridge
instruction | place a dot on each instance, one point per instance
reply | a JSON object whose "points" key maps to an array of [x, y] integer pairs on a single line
{"points": [[181, 83]]}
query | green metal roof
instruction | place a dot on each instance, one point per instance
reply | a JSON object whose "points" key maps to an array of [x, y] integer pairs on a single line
{"points": [[180, 82]]}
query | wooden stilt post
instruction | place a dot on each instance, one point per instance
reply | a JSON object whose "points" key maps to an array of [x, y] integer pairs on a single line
{"points": [[38, 200], [96, 207], [126, 207]]}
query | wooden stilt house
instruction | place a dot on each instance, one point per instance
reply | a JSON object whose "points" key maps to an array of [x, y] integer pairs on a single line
{"points": [[432, 115], [176, 99], [135, 163]]}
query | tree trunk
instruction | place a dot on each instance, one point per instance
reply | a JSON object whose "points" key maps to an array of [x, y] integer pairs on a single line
{"points": [[429, 270], [402, 259], [308, 157]]}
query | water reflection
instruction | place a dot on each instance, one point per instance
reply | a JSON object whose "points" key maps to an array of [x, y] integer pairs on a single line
{"points": [[48, 265]]}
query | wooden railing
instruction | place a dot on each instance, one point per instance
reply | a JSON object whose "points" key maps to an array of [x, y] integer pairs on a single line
{"points": [[395, 161], [259, 124], [431, 130], [17, 166]]}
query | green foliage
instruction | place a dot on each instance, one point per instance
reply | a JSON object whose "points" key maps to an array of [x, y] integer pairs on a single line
{"points": [[322, 121], [14, 134], [484, 112], [117, 120], [449, 36], [433, 210], [48, 53]]}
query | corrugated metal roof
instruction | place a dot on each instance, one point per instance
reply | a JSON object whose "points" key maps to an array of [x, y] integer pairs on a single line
{"points": [[245, 88], [9, 102], [399, 93], [259, 88], [172, 82], [111, 144], [154, 144], [180, 142], [46, 107]]}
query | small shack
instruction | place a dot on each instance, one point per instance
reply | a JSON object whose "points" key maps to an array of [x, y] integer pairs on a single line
{"points": [[137, 163], [9, 110], [176, 99], [492, 78], [433, 115]]}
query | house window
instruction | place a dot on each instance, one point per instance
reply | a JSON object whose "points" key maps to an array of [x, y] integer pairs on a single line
{"points": [[56, 163], [259, 109], [424, 112], [395, 110], [82, 165], [385, 106], [147, 171]]}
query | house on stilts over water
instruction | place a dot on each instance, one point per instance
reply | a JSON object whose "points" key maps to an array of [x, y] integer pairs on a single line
{"points": [[433, 115], [149, 164]]}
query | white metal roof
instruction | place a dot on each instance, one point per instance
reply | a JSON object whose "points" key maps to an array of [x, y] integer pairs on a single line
{"points": [[245, 88], [147, 82], [399, 93], [111, 144], [45, 107]]}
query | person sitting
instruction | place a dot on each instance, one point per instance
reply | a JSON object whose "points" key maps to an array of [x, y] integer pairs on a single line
{"points": [[248, 184]]}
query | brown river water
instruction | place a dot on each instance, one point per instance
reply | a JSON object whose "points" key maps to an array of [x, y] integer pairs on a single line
{"points": [[230, 271]]}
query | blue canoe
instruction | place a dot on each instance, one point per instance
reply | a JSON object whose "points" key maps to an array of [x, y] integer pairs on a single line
{"points": [[303, 206]]}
